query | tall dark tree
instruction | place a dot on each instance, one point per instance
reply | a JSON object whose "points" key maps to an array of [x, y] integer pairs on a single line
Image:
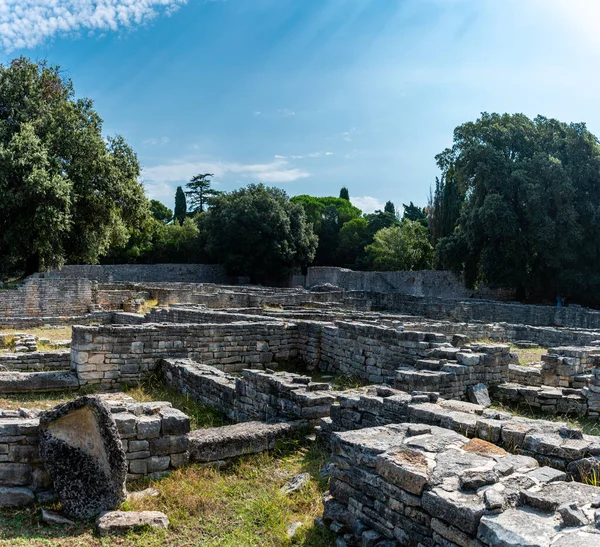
{"points": [[258, 231], [344, 194], [389, 208], [199, 192], [531, 215], [180, 205], [415, 213], [66, 193]]}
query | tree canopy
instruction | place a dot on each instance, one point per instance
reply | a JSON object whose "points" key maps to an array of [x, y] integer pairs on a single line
{"points": [[531, 213], [67, 193], [199, 192], [402, 247], [327, 215], [259, 232]]}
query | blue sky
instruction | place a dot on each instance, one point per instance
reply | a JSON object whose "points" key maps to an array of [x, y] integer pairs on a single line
{"points": [[311, 95]]}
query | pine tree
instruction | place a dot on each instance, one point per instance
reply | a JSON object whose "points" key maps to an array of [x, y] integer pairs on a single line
{"points": [[199, 192], [344, 194], [389, 208]]}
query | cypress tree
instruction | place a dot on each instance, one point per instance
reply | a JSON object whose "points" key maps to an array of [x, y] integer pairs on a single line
{"points": [[180, 205]]}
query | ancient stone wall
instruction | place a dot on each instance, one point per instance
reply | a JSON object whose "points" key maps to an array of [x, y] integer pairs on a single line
{"points": [[156, 273], [442, 284], [256, 395], [112, 354], [482, 310], [154, 437], [425, 485], [554, 444], [47, 298], [36, 361], [109, 355]]}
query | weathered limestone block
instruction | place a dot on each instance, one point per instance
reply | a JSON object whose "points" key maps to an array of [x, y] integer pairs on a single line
{"points": [[119, 522], [81, 448]]}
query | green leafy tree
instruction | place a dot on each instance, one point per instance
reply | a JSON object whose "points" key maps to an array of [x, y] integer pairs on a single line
{"points": [[67, 193], [403, 247], [180, 205], [199, 192], [531, 214], [344, 194], [389, 208], [258, 231], [327, 215], [160, 211], [354, 236]]}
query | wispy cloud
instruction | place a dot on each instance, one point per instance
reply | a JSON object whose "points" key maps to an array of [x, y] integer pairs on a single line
{"points": [[27, 23], [367, 204], [279, 170], [301, 157], [155, 142]]}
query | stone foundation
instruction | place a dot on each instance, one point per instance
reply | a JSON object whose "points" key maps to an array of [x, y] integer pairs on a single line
{"points": [[420, 485]]}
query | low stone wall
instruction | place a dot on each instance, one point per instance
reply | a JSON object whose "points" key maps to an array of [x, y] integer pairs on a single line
{"points": [[190, 315], [154, 273], [109, 355], [255, 396], [564, 366], [428, 486], [36, 361], [154, 437], [451, 371], [523, 375], [546, 399], [508, 332], [47, 298], [554, 444], [442, 284], [488, 311]]}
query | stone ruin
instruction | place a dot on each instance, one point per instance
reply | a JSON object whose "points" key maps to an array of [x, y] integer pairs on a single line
{"points": [[412, 461]]}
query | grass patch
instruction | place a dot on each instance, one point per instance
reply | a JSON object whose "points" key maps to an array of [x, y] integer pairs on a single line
{"points": [[60, 333], [241, 506], [149, 304], [154, 389], [528, 355], [43, 400]]}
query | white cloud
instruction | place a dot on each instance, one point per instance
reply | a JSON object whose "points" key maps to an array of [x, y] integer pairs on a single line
{"points": [[311, 155], [286, 112], [154, 142], [367, 204], [27, 23], [275, 171]]}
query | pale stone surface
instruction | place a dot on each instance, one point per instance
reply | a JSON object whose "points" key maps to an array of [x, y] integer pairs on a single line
{"points": [[120, 522]]}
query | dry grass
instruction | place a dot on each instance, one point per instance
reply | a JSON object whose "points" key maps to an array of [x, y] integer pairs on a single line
{"points": [[528, 355], [61, 333], [239, 507]]}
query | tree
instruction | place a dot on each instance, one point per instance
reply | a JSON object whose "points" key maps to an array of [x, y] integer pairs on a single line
{"points": [[160, 212], [199, 192], [67, 193], [530, 220], [389, 208], [354, 236], [327, 215], [180, 205], [344, 194], [415, 213], [259, 232], [403, 247]]}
